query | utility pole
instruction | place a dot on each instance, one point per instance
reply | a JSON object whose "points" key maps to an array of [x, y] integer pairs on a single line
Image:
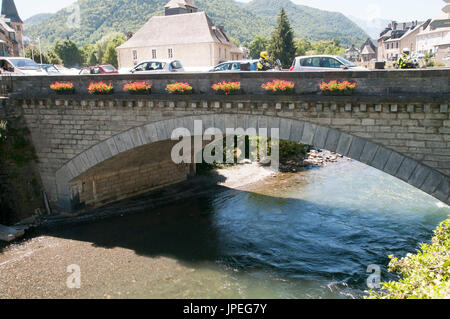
{"points": [[40, 51]]}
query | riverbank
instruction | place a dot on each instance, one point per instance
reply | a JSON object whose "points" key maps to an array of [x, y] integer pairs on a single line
{"points": [[309, 234], [239, 177]]}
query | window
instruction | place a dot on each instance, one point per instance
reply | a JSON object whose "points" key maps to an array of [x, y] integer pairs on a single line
{"points": [[311, 62], [330, 63], [236, 66], [222, 67], [109, 68], [135, 55], [153, 54], [220, 52], [170, 53], [176, 65]]}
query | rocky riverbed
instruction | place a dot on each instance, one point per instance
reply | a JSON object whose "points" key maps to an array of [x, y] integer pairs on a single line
{"points": [[314, 158]]}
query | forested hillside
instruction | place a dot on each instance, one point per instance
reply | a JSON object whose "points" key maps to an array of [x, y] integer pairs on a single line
{"points": [[242, 22]]}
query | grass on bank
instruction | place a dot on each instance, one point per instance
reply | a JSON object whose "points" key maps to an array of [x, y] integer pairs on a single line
{"points": [[424, 275]]}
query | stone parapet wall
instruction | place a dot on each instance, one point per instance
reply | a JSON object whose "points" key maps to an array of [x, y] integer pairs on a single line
{"points": [[433, 83]]}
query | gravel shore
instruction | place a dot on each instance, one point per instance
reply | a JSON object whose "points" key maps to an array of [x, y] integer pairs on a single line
{"points": [[36, 267]]}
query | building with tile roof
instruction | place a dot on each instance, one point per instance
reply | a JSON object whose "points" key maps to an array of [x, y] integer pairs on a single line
{"points": [[184, 34], [11, 30]]}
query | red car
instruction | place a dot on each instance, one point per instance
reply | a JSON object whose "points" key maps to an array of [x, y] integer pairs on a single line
{"points": [[99, 69]]}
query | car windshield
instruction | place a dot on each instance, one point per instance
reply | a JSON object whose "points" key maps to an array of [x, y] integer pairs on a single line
{"points": [[51, 69], [109, 68], [222, 67], [25, 64], [346, 62], [150, 66]]}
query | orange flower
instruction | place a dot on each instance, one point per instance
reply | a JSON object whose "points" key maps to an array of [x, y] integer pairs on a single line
{"points": [[100, 88], [137, 87], [179, 88], [227, 87], [62, 86], [337, 86], [279, 86]]}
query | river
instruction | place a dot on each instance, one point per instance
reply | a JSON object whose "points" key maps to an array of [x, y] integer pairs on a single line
{"points": [[310, 234]]}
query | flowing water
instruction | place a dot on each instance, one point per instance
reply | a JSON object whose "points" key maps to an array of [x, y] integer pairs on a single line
{"points": [[305, 235]]}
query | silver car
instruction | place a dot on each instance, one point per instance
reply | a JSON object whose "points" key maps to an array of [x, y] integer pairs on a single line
{"points": [[20, 66], [323, 63], [157, 66]]}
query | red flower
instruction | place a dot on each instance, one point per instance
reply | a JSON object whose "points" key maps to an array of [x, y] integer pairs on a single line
{"points": [[337, 86], [100, 88], [179, 88], [62, 86], [279, 86], [226, 87], [137, 87]]}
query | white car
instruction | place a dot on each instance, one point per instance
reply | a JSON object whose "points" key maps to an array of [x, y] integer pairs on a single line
{"points": [[447, 58], [323, 63], [20, 66], [157, 66]]}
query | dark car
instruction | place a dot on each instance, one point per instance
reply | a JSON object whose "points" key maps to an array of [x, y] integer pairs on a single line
{"points": [[99, 69], [236, 66]]}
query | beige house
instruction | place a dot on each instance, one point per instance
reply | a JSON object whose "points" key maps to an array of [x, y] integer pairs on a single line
{"points": [[183, 34], [434, 37]]}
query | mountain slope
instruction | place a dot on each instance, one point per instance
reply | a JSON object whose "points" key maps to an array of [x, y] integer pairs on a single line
{"points": [[311, 23], [243, 22], [372, 27], [37, 18]]}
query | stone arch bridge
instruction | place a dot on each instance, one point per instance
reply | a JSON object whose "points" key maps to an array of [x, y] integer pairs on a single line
{"points": [[97, 149]]}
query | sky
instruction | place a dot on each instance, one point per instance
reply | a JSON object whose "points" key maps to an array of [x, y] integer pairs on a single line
{"points": [[364, 9]]}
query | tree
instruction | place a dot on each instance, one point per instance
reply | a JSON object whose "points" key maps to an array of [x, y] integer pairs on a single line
{"points": [[34, 54], [53, 58], [282, 41], [86, 52], [235, 41], [110, 56], [69, 53], [258, 45], [327, 47], [302, 47], [101, 46]]}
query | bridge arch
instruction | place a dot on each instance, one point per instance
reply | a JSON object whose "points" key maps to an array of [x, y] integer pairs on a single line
{"points": [[378, 156]]}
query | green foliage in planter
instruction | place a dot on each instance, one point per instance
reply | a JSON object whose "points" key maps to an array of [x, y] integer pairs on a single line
{"points": [[425, 275]]}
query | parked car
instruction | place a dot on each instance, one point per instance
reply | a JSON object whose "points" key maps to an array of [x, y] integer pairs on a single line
{"points": [[157, 66], [323, 63], [49, 69], [99, 69], [447, 58], [20, 66], [236, 66]]}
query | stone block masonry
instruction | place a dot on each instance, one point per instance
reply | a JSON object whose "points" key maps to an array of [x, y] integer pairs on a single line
{"points": [[402, 129]]}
